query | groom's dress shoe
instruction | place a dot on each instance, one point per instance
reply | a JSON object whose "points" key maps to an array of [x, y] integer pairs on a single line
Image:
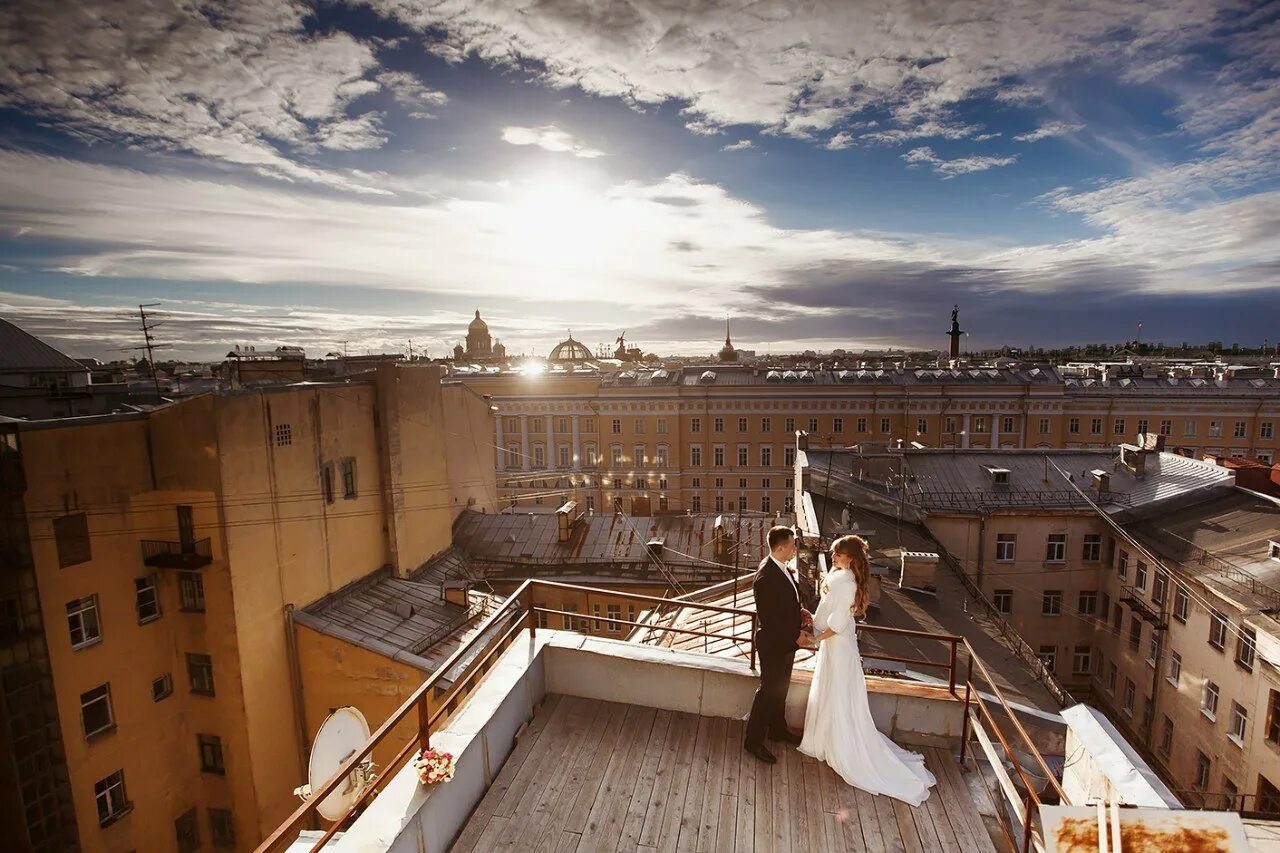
{"points": [[761, 752], [787, 736]]}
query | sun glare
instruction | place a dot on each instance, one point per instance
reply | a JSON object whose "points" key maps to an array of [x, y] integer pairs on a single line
{"points": [[557, 220]]}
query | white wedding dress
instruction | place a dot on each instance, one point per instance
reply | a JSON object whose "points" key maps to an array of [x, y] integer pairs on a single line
{"points": [[838, 727]]}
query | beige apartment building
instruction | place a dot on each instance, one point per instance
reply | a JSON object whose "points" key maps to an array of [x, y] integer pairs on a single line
{"points": [[719, 437], [149, 562]]}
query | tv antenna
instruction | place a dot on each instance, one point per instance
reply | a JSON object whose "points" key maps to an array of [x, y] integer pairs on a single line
{"points": [[341, 735]]}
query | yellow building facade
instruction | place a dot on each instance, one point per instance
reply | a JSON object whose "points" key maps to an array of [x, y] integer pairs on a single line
{"points": [[164, 550]]}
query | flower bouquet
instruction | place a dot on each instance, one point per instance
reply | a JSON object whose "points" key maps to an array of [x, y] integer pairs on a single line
{"points": [[434, 766]]}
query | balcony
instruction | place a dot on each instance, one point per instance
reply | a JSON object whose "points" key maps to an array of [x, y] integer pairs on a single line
{"points": [[573, 742], [160, 554]]}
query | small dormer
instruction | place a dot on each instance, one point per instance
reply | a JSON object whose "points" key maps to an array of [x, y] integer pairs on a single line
{"points": [[999, 476], [708, 377], [1273, 550]]}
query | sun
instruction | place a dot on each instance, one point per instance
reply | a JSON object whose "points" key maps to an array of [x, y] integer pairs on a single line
{"points": [[558, 220]]}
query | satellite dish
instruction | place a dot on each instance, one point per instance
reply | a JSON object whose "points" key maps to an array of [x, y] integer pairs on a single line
{"points": [[340, 736]]}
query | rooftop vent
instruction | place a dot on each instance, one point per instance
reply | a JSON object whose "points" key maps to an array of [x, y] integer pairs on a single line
{"points": [[773, 376], [806, 376], [708, 377], [660, 375], [626, 376], [999, 476], [845, 376], [655, 545], [1101, 479], [1273, 549], [789, 376], [566, 517]]}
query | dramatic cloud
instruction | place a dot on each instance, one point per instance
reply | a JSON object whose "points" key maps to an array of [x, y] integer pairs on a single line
{"points": [[550, 138], [740, 145], [1053, 128], [958, 166]]}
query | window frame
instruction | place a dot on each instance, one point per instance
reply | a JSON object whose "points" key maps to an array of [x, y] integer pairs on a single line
{"points": [[103, 696], [138, 591], [103, 789], [86, 604]]}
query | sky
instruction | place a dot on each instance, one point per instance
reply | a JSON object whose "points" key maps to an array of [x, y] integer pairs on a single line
{"points": [[826, 174]]}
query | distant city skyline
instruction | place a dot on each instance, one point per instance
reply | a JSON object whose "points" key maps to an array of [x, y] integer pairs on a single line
{"points": [[282, 173]]}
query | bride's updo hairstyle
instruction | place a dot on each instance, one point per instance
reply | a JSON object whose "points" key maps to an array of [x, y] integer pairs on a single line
{"points": [[855, 548]]}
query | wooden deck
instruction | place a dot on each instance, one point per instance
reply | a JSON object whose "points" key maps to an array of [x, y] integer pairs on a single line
{"points": [[592, 776]]}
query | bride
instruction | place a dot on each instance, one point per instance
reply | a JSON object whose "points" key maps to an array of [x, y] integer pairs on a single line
{"points": [[838, 727]]}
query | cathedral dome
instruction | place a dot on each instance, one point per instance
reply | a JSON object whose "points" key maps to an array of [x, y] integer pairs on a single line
{"points": [[570, 350], [478, 325]]}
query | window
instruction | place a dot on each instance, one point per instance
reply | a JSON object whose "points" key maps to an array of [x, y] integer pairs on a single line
{"points": [[1130, 691], [766, 425], [717, 456], [211, 754], [717, 425], [951, 424], [638, 427], [1148, 709], [766, 456], [1240, 429], [562, 456], [719, 503], [1135, 631], [1006, 547], [637, 454], [1153, 648], [743, 452], [1051, 603], [221, 828], [187, 830], [862, 424], [697, 482], [562, 425], [788, 504], [742, 424], [95, 711], [837, 424], [1209, 701], [200, 672], [110, 796], [1004, 600], [789, 425], [1175, 668], [1117, 428], [284, 435], [615, 426], [1215, 429], [1266, 429], [1056, 548], [1143, 426], [813, 424], [1043, 427], [191, 592], [719, 482], [1166, 427], [1202, 770], [572, 623], [980, 424], [695, 503], [695, 455], [1106, 606], [1092, 551], [1140, 576], [1217, 630], [661, 456], [1112, 675], [1073, 426], [662, 426], [1166, 736], [348, 466], [146, 600], [765, 504], [82, 621], [695, 424], [592, 457], [161, 687], [1006, 424], [922, 426], [1080, 662], [1273, 718], [788, 456], [742, 482], [1268, 796], [1239, 722], [1180, 601], [1158, 587], [1246, 647], [1117, 616], [765, 483], [885, 425], [742, 503], [326, 474], [1088, 602], [1189, 427], [1049, 657], [1122, 566], [511, 424], [71, 532]]}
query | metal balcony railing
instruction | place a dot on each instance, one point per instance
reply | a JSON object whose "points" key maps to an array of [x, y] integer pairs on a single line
{"points": [[517, 614], [161, 554]]}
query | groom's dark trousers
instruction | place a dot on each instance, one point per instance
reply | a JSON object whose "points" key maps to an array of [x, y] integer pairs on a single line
{"points": [[778, 613]]}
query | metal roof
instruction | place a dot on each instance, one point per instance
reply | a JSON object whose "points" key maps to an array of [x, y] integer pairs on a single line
{"points": [[22, 352]]}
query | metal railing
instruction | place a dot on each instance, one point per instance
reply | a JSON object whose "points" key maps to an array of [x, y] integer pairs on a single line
{"points": [[518, 614], [177, 555]]}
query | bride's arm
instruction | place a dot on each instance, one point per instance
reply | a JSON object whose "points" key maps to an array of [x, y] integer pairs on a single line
{"points": [[837, 601]]}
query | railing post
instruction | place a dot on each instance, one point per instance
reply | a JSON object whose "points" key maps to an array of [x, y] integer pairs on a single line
{"points": [[1026, 824], [754, 617], [424, 722], [951, 685], [964, 730]]}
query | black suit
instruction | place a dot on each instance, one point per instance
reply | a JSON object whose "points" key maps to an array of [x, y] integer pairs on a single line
{"points": [[778, 611]]}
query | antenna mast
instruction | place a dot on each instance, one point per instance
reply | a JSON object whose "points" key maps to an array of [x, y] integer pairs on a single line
{"points": [[149, 342]]}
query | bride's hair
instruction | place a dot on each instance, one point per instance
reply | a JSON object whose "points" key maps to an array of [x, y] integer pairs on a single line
{"points": [[855, 548]]}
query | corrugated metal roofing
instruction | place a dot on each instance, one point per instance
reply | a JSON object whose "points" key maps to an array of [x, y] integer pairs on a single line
{"points": [[22, 352]]}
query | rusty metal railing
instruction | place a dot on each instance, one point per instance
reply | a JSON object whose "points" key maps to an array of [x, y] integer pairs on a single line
{"points": [[518, 613]]}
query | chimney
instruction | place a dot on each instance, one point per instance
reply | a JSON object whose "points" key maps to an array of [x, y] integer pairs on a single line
{"points": [[655, 546], [566, 517], [1134, 458], [1101, 480]]}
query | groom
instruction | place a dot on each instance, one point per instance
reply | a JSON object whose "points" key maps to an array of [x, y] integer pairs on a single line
{"points": [[782, 621]]}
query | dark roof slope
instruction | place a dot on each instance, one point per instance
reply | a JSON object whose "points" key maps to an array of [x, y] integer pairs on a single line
{"points": [[22, 352]]}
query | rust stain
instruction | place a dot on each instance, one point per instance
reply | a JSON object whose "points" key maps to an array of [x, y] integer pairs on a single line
{"points": [[1080, 835]]}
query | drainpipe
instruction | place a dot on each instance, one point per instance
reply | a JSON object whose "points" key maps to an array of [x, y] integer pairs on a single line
{"points": [[295, 684], [982, 548]]}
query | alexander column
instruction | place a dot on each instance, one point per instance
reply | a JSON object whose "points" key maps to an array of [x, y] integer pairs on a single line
{"points": [[955, 332]]}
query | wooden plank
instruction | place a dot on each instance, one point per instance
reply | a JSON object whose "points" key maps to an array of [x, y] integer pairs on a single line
{"points": [[724, 840], [744, 827], [502, 783], [945, 808], [695, 793], [831, 783], [609, 741], [889, 829], [673, 821], [714, 790], [865, 808], [604, 823], [798, 818], [681, 732], [764, 808], [976, 809], [907, 829], [638, 807], [568, 842], [531, 769], [846, 810], [493, 830], [552, 818], [816, 815]]}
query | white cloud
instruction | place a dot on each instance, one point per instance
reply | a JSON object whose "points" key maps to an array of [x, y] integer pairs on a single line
{"points": [[550, 138], [740, 145], [840, 141], [1045, 131], [958, 166], [703, 128], [412, 94]]}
